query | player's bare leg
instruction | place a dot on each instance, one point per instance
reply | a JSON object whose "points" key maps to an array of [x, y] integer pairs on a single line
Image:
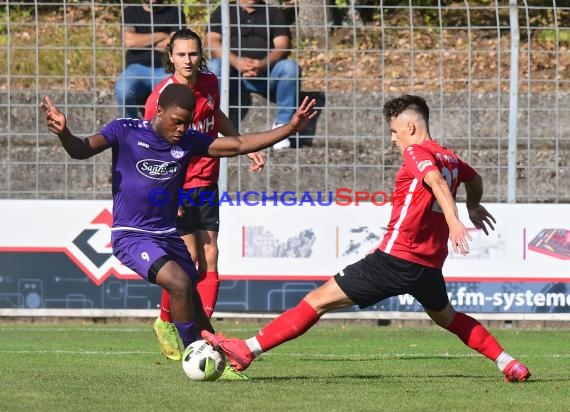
{"points": [[474, 335], [203, 248], [185, 304], [289, 325]]}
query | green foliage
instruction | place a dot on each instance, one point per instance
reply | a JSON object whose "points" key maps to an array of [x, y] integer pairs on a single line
{"points": [[550, 36], [333, 367], [196, 12], [22, 30]]}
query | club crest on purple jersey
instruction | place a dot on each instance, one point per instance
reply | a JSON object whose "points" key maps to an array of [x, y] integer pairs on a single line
{"points": [[176, 152]]}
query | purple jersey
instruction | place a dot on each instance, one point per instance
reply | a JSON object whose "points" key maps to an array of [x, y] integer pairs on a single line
{"points": [[148, 173]]}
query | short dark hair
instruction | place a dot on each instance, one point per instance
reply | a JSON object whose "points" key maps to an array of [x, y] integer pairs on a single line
{"points": [[177, 95], [183, 34], [394, 107]]}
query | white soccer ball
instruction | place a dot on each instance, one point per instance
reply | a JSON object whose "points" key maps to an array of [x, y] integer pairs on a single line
{"points": [[201, 362]]}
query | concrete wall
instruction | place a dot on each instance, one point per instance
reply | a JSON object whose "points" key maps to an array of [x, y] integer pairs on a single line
{"points": [[350, 148]]}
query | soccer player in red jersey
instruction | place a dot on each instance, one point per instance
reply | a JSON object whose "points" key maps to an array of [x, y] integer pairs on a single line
{"points": [[198, 220], [411, 255]]}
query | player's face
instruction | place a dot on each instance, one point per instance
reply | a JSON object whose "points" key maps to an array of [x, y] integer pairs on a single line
{"points": [[185, 57], [172, 123], [402, 129]]}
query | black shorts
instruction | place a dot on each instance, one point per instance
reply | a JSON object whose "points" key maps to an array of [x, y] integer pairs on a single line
{"points": [[201, 210], [379, 276]]}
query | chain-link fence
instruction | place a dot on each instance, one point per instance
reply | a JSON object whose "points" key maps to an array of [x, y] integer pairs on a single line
{"points": [[353, 55]]}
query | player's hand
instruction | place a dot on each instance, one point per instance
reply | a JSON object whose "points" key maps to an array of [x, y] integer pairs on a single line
{"points": [[257, 161], [481, 218], [303, 115], [180, 212], [459, 237], [56, 120]]}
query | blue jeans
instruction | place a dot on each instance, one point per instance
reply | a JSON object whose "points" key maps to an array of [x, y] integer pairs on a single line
{"points": [[282, 86], [134, 85]]}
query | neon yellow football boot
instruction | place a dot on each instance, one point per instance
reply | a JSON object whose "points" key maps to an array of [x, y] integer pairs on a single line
{"points": [[167, 339], [230, 374]]}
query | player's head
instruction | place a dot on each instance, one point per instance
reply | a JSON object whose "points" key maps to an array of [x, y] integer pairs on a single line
{"points": [[174, 112], [398, 105], [408, 117], [184, 54]]}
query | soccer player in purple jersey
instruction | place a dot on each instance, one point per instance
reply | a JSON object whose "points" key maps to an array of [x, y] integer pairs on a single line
{"points": [[149, 164]]}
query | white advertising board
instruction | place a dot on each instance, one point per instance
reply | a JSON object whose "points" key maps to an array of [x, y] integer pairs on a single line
{"points": [[530, 241]]}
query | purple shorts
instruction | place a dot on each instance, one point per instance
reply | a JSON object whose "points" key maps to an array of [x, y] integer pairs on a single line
{"points": [[138, 251]]}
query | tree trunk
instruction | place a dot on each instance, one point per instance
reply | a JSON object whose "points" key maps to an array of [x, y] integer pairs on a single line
{"points": [[312, 20]]}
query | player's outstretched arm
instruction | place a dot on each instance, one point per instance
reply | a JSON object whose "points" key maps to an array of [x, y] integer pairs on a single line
{"points": [[457, 231], [480, 217], [236, 145], [76, 147]]}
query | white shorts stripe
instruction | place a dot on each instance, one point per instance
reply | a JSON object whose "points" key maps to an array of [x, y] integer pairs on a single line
{"points": [[403, 213]]}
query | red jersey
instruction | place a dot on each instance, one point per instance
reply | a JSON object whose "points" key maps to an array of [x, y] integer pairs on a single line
{"points": [[202, 171], [417, 230]]}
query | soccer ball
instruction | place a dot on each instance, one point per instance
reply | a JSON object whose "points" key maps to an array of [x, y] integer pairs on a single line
{"points": [[201, 362]]}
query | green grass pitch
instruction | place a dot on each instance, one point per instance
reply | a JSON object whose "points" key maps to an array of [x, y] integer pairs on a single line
{"points": [[333, 367]]}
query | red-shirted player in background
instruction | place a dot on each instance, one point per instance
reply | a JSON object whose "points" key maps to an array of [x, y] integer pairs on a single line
{"points": [[411, 255], [198, 220]]}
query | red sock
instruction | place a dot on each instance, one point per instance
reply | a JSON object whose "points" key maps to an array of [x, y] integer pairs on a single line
{"points": [[287, 326], [474, 335], [208, 286], [165, 307]]}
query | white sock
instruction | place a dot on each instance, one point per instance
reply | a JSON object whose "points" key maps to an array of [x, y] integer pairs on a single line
{"points": [[503, 360], [254, 346]]}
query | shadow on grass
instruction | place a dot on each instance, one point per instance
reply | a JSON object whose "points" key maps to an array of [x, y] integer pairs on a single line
{"points": [[370, 358], [376, 376]]}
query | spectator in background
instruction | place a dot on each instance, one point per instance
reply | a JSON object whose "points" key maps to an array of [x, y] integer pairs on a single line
{"points": [[146, 31], [260, 42]]}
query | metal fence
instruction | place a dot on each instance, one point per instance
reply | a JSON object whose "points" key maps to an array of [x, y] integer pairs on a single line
{"points": [[460, 55]]}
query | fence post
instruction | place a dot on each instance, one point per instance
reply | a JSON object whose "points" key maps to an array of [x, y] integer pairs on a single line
{"points": [[224, 84], [513, 103]]}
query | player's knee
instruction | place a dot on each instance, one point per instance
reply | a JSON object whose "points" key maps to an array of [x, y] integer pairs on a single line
{"points": [[211, 257], [327, 297], [312, 299], [177, 282], [181, 288], [444, 317], [441, 322]]}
